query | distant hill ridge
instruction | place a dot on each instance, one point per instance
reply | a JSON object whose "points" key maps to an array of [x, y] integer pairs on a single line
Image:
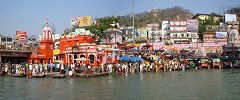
{"points": [[155, 16]]}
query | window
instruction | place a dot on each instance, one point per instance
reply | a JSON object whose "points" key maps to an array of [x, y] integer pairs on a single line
{"points": [[175, 35], [3, 39], [182, 35], [9, 39], [193, 35], [91, 58], [177, 23]]}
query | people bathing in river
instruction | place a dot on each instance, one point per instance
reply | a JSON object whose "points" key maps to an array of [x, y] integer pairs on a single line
{"points": [[122, 67]]}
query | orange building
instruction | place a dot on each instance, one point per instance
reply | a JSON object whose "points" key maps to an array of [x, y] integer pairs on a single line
{"points": [[71, 48], [44, 54], [81, 49]]}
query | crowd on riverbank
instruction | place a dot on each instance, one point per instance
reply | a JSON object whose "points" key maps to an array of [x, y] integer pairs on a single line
{"points": [[161, 65]]}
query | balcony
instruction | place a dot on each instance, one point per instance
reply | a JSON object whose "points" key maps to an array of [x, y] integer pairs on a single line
{"points": [[174, 25], [178, 31], [180, 37], [16, 49]]}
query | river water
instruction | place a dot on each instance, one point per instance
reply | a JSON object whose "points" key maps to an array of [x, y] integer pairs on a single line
{"points": [[212, 84]]}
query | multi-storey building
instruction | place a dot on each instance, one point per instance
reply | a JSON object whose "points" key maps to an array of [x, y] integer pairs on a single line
{"points": [[215, 37], [192, 30], [166, 32], [113, 36], [56, 39], [142, 32], [153, 32], [128, 33], [208, 23], [232, 49], [180, 31], [32, 41], [6, 39]]}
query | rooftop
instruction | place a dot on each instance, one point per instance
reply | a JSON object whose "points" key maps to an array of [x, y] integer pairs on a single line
{"points": [[212, 14]]}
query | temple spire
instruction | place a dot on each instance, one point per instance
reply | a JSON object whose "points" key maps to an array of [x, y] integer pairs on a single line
{"points": [[47, 22], [47, 32]]}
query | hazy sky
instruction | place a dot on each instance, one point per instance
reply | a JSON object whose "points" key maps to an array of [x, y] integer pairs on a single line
{"points": [[30, 15]]}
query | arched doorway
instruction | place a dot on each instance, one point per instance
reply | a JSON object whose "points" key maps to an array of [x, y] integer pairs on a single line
{"points": [[49, 60], [99, 59], [41, 61], [82, 58], [75, 58], [91, 58], [108, 59], [70, 59]]}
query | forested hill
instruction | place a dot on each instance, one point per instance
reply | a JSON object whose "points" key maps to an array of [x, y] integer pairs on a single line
{"points": [[155, 16]]}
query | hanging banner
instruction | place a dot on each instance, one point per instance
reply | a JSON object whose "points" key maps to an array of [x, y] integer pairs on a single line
{"points": [[56, 52], [230, 17], [84, 21], [192, 25], [21, 37], [221, 34]]}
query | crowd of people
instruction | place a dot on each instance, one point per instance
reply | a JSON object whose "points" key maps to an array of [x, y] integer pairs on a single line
{"points": [[30, 70], [25, 69], [122, 67]]}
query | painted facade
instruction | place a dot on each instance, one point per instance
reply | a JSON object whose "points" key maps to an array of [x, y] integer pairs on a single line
{"points": [[178, 31], [202, 18], [82, 49], [113, 36], [232, 49]]}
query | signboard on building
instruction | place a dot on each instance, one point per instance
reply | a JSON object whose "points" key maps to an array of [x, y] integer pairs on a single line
{"points": [[221, 34], [21, 37], [68, 50], [153, 25], [192, 25], [84, 21], [230, 17], [56, 52]]}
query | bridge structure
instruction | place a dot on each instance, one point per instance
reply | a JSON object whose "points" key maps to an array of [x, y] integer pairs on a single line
{"points": [[14, 56]]}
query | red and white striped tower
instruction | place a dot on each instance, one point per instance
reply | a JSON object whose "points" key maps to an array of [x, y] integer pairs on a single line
{"points": [[46, 45], [46, 33]]}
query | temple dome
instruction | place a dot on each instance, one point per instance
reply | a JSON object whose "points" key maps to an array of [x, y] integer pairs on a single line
{"points": [[47, 32]]}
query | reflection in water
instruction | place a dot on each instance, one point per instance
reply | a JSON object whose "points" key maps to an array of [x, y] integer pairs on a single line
{"points": [[197, 84], [141, 76]]}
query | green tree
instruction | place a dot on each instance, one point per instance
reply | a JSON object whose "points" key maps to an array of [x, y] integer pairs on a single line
{"points": [[209, 24], [235, 10], [102, 24]]}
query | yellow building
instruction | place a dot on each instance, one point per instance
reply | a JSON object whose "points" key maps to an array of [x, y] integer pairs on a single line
{"points": [[211, 21], [203, 17]]}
